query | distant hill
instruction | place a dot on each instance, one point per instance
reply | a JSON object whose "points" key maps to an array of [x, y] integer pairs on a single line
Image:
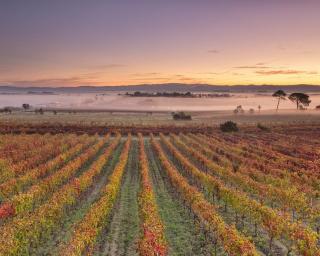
{"points": [[171, 87]]}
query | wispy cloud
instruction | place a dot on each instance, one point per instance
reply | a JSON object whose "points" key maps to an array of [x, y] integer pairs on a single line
{"points": [[281, 48], [308, 52], [52, 81], [257, 66], [285, 72], [212, 73], [214, 51], [76, 80], [261, 64], [145, 74], [164, 78], [107, 66], [151, 79]]}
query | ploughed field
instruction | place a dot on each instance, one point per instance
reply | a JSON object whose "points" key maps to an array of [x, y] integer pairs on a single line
{"points": [[249, 193]]}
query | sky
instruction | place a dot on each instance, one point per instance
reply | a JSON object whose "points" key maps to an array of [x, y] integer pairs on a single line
{"points": [[125, 42]]}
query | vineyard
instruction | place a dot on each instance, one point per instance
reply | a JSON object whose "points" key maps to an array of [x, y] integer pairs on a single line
{"points": [[200, 193]]}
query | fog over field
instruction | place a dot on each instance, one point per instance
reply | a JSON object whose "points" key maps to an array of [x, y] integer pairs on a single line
{"points": [[121, 102]]}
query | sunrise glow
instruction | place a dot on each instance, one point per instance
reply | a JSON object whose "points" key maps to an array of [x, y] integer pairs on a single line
{"points": [[58, 43]]}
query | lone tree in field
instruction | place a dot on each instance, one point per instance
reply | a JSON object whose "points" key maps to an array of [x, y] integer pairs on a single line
{"points": [[238, 110], [25, 106], [301, 99], [281, 95]]}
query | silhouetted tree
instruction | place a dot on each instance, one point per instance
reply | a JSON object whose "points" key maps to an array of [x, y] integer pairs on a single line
{"points": [[300, 99], [238, 110], [39, 111], [281, 95], [7, 110], [25, 106]]}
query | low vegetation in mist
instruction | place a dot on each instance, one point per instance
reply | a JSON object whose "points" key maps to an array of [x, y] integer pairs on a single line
{"points": [[263, 127], [177, 94], [229, 126], [180, 116]]}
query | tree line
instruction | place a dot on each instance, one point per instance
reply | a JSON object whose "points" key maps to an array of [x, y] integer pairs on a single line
{"points": [[300, 99]]}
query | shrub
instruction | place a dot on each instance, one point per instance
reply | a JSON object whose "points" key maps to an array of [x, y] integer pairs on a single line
{"points": [[39, 111], [229, 126], [238, 110], [7, 110], [262, 127], [181, 116]]}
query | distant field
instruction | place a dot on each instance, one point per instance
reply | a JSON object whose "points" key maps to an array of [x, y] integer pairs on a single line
{"points": [[147, 118], [113, 101], [248, 193]]}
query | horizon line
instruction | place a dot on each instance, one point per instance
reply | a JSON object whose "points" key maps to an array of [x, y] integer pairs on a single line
{"points": [[156, 84]]}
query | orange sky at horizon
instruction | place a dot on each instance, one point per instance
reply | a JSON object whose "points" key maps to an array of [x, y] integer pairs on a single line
{"points": [[54, 43]]}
